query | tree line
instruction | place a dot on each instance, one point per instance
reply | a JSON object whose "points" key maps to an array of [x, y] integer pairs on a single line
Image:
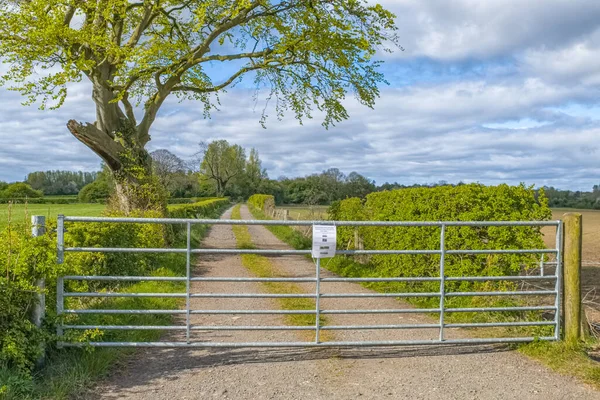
{"points": [[220, 168]]}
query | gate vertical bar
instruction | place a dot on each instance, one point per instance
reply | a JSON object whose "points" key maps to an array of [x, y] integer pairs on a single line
{"points": [[60, 306], [187, 281], [442, 279], [558, 272], [60, 239], [318, 300]]}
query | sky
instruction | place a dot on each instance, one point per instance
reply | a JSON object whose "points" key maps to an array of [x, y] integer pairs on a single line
{"points": [[495, 91]]}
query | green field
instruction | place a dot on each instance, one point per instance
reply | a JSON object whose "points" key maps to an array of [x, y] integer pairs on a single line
{"points": [[21, 211]]}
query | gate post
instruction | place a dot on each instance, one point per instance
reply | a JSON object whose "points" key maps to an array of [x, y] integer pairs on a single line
{"points": [[38, 228], [572, 277]]}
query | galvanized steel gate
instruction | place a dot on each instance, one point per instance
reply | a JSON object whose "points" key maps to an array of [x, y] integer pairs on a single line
{"points": [[551, 289]]}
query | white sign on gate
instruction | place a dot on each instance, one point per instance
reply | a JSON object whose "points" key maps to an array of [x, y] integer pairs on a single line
{"points": [[323, 241]]}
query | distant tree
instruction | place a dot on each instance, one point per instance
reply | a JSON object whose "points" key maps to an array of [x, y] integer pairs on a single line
{"points": [[310, 54], [60, 182], [165, 165], [222, 163], [357, 185]]}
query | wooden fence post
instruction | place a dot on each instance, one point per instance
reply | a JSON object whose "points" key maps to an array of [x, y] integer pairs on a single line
{"points": [[572, 277]]}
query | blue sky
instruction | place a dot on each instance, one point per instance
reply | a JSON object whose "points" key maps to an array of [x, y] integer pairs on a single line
{"points": [[491, 91]]}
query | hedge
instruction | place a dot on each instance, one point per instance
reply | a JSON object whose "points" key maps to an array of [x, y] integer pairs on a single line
{"points": [[264, 202], [27, 259], [201, 209], [472, 202], [42, 200]]}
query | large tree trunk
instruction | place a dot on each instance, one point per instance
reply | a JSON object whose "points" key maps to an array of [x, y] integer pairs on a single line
{"points": [[136, 188]]}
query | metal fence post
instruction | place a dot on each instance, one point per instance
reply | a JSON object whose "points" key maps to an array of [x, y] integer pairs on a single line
{"points": [[559, 278], [38, 228], [572, 276], [318, 301], [60, 306], [187, 281], [442, 279], [60, 239]]}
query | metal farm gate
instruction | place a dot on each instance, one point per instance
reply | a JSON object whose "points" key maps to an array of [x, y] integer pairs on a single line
{"points": [[191, 319]]}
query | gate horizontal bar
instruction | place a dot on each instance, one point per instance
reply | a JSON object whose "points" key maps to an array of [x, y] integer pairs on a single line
{"points": [[96, 311], [499, 324], [225, 279], [502, 278], [253, 279], [127, 327], [408, 279], [505, 251], [253, 312], [385, 311], [350, 295], [123, 278], [113, 294], [252, 295], [516, 293], [297, 252], [501, 309], [307, 223], [310, 344], [369, 327]]}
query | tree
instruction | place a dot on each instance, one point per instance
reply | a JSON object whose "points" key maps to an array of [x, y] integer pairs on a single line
{"points": [[222, 162], [165, 164], [309, 55], [254, 174]]}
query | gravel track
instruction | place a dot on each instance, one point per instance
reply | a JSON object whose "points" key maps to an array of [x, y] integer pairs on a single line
{"points": [[433, 372]]}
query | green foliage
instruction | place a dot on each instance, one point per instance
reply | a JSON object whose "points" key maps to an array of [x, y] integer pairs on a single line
{"points": [[20, 190], [24, 259], [96, 192], [264, 202], [446, 203], [311, 53], [223, 163], [205, 208]]}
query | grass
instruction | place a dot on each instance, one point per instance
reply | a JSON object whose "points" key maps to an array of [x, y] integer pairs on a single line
{"points": [[262, 267], [566, 359], [19, 213]]}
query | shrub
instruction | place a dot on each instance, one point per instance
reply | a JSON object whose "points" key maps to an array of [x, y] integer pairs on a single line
{"points": [[95, 192], [462, 203], [264, 202], [20, 190], [24, 259]]}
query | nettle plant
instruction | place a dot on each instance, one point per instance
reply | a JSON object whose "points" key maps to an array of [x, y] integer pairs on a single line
{"points": [[307, 55]]}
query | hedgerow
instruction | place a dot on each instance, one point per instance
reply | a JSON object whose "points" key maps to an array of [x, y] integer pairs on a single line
{"points": [[462, 203]]}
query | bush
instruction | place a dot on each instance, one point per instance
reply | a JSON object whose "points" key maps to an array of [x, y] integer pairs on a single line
{"points": [[24, 259], [20, 190], [462, 203], [95, 192], [264, 202]]}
